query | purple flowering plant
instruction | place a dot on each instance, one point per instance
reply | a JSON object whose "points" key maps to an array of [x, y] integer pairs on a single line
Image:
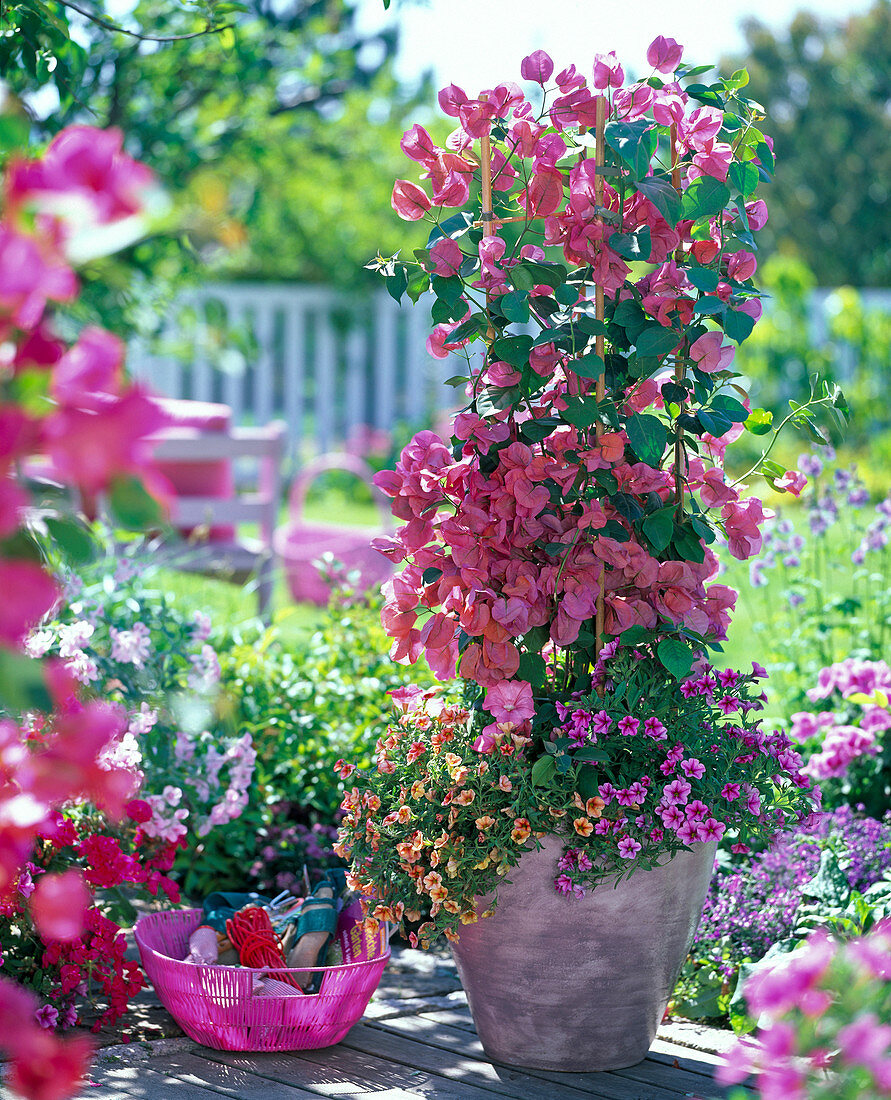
{"points": [[829, 871], [125, 641], [669, 763], [642, 766]]}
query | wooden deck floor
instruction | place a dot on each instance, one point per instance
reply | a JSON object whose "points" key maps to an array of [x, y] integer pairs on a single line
{"points": [[416, 1042], [422, 1056]]}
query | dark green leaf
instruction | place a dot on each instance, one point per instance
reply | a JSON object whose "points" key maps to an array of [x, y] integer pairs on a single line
{"points": [[566, 295], [734, 410], [687, 544], [474, 324], [590, 754], [396, 283], [709, 306], [452, 227], [703, 279], [656, 340], [705, 95], [513, 349], [659, 527], [632, 246], [588, 366], [635, 143], [580, 411], [534, 431], [663, 196], [450, 289], [705, 195], [676, 656], [647, 436], [738, 325], [532, 669]]}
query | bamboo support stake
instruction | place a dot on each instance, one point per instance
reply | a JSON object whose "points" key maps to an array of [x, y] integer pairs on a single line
{"points": [[488, 214], [680, 365], [600, 387]]}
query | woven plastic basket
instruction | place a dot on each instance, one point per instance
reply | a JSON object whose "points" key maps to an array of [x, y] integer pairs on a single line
{"points": [[299, 543], [216, 1005]]}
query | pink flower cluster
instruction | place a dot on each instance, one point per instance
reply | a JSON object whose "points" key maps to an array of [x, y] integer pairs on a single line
{"points": [[824, 1007], [841, 742], [507, 559], [92, 429]]}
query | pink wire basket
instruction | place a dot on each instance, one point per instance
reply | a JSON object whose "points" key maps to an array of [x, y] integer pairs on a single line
{"points": [[217, 1005], [299, 543]]}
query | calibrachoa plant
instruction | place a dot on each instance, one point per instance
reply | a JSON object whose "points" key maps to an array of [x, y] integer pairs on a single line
{"points": [[57, 951], [125, 641], [558, 548], [645, 765], [70, 403], [825, 1022]]}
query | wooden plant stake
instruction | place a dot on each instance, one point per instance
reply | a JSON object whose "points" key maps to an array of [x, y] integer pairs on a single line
{"points": [[680, 363], [488, 213], [600, 386]]}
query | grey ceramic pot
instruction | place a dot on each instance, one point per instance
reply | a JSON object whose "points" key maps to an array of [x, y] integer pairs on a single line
{"points": [[580, 984]]}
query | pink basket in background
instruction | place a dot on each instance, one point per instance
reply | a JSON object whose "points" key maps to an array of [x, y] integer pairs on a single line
{"points": [[216, 1005], [298, 544]]}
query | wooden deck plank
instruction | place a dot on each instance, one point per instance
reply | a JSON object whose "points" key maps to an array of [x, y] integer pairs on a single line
{"points": [[463, 1059], [655, 1073], [666, 1053], [331, 1070], [241, 1082], [136, 1080]]}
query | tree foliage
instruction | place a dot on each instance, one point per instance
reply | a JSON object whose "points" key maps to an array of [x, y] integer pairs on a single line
{"points": [[275, 125], [826, 86]]}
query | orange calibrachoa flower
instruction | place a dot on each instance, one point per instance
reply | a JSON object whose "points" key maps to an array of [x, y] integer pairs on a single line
{"points": [[485, 822], [416, 751], [519, 834], [583, 826], [594, 806], [464, 798]]}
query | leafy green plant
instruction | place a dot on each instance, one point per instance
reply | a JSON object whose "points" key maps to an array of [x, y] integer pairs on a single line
{"points": [[304, 708]]}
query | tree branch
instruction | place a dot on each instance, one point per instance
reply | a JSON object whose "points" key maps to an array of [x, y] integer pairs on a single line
{"points": [[106, 24]]}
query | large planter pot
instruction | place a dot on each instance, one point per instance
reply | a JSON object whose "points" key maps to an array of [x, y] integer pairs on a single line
{"points": [[580, 984]]}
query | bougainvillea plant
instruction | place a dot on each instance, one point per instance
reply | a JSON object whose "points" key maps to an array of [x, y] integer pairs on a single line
{"points": [[66, 408], [606, 271], [589, 456]]}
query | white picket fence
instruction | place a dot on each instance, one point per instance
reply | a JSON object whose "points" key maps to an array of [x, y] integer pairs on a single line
{"points": [[323, 362]]}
